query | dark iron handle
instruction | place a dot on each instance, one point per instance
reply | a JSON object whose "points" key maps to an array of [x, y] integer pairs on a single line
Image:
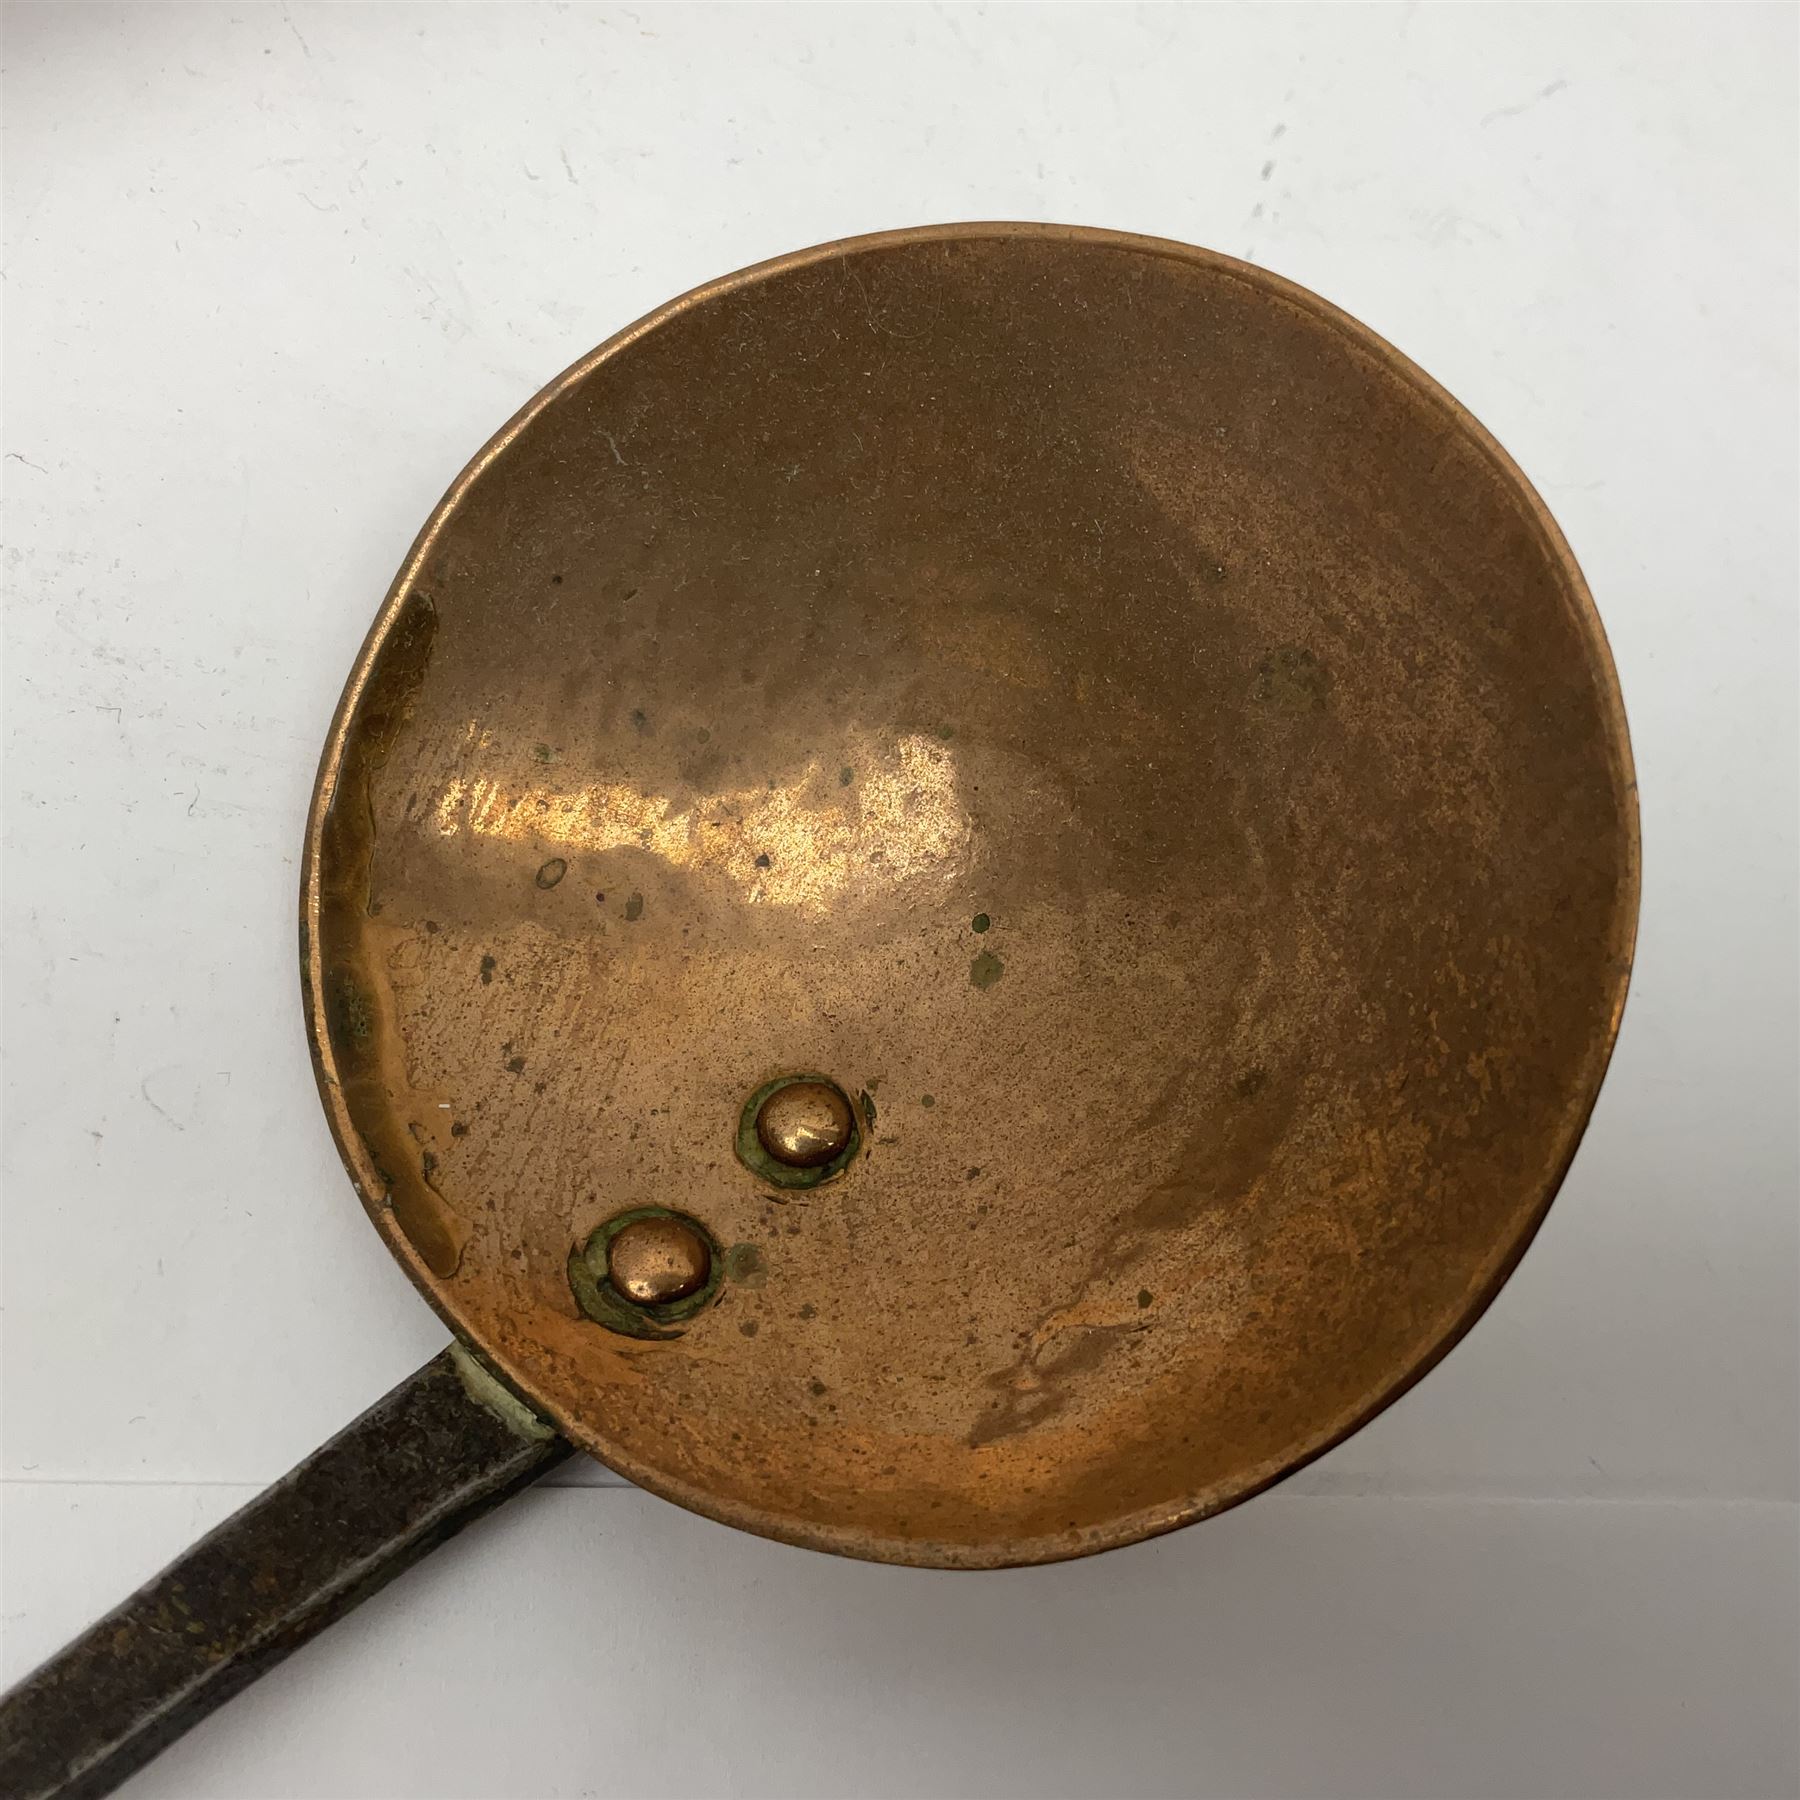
{"points": [[443, 1448]]}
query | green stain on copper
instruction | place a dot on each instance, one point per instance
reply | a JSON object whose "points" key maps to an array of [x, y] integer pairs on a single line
{"points": [[985, 970], [348, 1010], [487, 1390], [746, 1266], [759, 1162], [600, 1301]]}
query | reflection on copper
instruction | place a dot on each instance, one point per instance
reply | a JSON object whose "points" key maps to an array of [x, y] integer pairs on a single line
{"points": [[878, 819]]}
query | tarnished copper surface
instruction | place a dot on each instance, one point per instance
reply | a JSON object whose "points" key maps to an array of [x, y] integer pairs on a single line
{"points": [[1115, 715]]}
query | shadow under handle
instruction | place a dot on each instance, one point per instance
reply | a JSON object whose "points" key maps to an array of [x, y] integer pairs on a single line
{"points": [[441, 1449]]}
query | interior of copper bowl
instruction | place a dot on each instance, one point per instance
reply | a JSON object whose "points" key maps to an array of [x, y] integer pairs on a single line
{"points": [[1113, 717]]}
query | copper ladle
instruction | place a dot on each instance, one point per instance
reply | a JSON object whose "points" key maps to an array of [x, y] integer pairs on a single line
{"points": [[968, 900]]}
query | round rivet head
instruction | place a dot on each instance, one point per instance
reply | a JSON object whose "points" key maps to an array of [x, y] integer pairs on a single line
{"points": [[805, 1124], [654, 1261]]}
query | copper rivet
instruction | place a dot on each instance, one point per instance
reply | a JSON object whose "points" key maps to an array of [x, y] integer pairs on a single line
{"points": [[654, 1261], [805, 1124]]}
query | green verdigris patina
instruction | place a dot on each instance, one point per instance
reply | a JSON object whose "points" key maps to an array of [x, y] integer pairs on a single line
{"points": [[600, 1301], [760, 1163]]}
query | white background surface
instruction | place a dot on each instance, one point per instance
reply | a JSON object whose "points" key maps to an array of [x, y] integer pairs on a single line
{"points": [[273, 273]]}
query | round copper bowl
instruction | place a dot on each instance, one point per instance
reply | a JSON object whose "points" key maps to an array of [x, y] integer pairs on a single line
{"points": [[1105, 711]]}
